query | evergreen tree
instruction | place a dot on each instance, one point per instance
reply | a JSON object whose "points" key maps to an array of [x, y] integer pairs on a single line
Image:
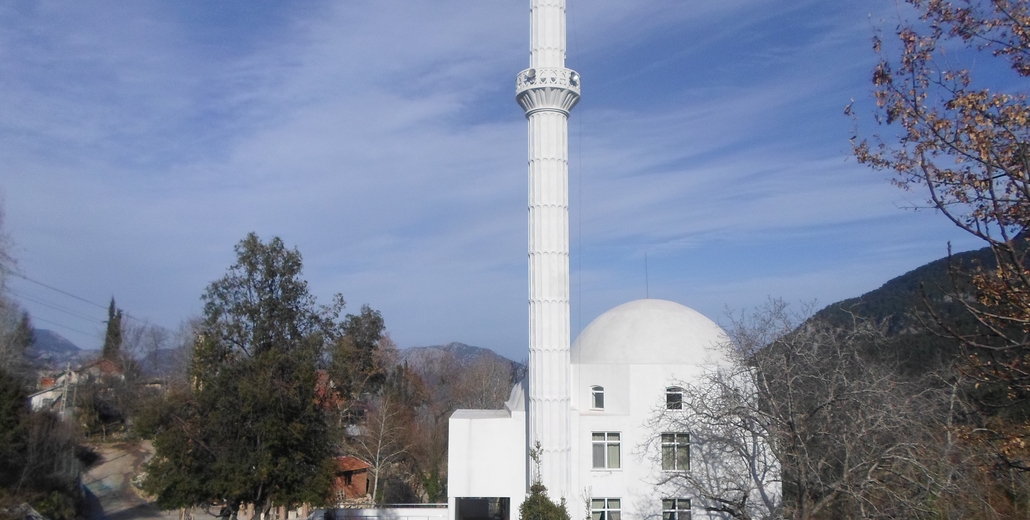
{"points": [[538, 506], [250, 430], [113, 337]]}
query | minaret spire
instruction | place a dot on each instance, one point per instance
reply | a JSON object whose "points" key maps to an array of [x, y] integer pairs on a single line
{"points": [[548, 91]]}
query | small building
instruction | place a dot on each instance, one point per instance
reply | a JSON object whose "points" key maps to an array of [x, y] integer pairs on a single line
{"points": [[49, 399], [351, 481], [103, 368]]}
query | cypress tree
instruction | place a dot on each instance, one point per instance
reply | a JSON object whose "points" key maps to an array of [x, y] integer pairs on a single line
{"points": [[113, 338]]}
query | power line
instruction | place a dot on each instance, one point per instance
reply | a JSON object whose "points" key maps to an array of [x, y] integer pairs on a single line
{"points": [[55, 307], [105, 307], [91, 334], [52, 288], [579, 188]]}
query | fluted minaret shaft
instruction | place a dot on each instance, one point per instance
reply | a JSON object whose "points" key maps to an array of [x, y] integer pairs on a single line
{"points": [[548, 91], [547, 34]]}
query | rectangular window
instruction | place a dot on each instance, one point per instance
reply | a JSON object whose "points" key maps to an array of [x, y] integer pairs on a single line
{"points": [[676, 509], [606, 509], [675, 451], [606, 452]]}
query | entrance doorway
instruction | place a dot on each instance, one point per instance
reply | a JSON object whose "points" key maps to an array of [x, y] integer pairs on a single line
{"points": [[482, 508]]}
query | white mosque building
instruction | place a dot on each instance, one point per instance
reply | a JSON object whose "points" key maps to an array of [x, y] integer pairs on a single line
{"points": [[586, 406], [624, 366]]}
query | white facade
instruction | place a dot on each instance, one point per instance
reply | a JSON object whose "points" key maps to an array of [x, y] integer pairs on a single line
{"points": [[631, 354]]}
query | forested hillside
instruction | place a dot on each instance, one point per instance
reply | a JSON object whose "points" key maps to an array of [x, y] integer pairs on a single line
{"points": [[916, 311]]}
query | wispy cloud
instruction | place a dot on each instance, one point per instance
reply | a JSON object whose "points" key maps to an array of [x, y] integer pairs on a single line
{"points": [[140, 140]]}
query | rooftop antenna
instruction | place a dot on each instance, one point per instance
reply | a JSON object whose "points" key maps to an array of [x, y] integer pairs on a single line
{"points": [[647, 283]]}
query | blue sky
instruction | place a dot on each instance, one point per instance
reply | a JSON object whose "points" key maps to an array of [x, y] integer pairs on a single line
{"points": [[140, 140]]}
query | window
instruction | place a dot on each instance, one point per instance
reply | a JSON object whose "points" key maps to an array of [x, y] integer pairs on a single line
{"points": [[674, 398], [675, 451], [606, 450], [597, 393], [676, 509], [605, 509]]}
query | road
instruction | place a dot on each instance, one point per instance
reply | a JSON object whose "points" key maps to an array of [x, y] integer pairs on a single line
{"points": [[109, 490]]}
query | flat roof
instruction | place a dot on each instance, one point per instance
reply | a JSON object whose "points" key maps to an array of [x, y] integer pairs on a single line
{"points": [[480, 414]]}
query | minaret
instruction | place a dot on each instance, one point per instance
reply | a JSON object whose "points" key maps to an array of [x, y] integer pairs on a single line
{"points": [[548, 91]]}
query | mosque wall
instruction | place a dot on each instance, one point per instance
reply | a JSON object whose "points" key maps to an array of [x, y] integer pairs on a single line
{"points": [[486, 456], [633, 395]]}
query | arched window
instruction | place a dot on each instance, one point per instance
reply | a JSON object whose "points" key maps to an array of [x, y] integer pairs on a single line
{"points": [[673, 398], [597, 397]]}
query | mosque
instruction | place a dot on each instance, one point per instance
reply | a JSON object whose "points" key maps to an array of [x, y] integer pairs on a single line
{"points": [[582, 409], [622, 368]]}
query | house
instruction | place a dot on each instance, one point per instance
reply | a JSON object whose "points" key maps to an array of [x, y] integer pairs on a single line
{"points": [[51, 399], [103, 368], [351, 481]]}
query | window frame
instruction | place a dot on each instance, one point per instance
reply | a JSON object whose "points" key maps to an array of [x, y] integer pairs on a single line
{"points": [[679, 445], [610, 508], [597, 397], [610, 443], [673, 398], [675, 509]]}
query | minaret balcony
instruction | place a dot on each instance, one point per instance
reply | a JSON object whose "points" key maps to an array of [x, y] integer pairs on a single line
{"points": [[547, 89]]}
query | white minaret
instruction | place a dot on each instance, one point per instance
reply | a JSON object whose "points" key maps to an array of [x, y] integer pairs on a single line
{"points": [[548, 91]]}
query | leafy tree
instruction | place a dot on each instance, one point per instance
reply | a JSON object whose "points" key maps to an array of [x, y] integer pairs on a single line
{"points": [[113, 337], [965, 143], [358, 367], [249, 429]]}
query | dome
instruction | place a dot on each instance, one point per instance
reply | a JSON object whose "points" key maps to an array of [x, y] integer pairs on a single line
{"points": [[650, 332]]}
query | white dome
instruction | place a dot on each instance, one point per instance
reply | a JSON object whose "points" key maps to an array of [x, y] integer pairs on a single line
{"points": [[650, 332]]}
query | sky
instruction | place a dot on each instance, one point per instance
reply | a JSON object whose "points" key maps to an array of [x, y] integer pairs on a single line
{"points": [[710, 163]]}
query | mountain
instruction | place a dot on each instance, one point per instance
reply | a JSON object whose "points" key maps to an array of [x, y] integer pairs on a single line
{"points": [[463, 354], [913, 307], [54, 350]]}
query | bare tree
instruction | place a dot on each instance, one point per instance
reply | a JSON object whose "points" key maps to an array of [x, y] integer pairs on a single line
{"points": [[141, 341], [16, 335], [484, 383], [802, 404], [381, 442], [719, 447], [7, 261]]}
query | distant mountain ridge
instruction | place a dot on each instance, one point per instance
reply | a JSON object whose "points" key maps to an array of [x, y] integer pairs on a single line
{"points": [[903, 307], [50, 349], [462, 353]]}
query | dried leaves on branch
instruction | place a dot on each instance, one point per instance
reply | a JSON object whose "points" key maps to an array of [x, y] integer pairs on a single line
{"points": [[964, 142]]}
